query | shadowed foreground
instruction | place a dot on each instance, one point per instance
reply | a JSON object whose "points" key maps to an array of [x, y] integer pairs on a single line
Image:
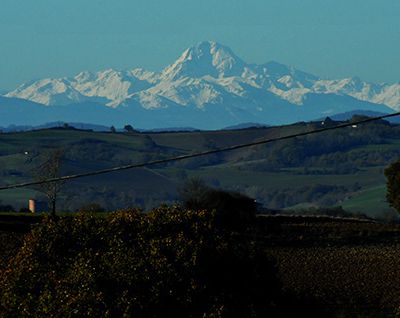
{"points": [[175, 262]]}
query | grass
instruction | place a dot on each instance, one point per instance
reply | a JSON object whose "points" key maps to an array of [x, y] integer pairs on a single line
{"points": [[90, 151], [231, 176], [19, 214], [371, 201]]}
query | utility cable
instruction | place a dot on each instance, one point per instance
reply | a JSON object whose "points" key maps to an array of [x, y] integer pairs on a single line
{"points": [[198, 154]]}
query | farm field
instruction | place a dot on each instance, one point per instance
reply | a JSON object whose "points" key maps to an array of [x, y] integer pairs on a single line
{"points": [[348, 267], [358, 279], [343, 168]]}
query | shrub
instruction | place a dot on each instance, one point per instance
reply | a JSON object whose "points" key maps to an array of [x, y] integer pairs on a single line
{"points": [[7, 208], [392, 174], [170, 262], [91, 208], [233, 211]]}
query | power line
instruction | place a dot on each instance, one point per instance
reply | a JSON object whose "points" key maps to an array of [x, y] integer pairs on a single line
{"points": [[199, 154]]}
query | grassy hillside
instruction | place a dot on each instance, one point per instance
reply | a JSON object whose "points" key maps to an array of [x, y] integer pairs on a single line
{"points": [[371, 200], [343, 167]]}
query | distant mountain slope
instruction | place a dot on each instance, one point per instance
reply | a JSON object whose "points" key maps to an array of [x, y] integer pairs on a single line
{"points": [[349, 115], [82, 126], [207, 80], [245, 126], [14, 111], [19, 111]]}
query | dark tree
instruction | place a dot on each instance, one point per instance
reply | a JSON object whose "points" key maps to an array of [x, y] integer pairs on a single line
{"points": [[392, 174], [233, 211], [6, 208], [169, 262], [112, 129], [129, 128], [91, 208], [328, 122], [193, 193], [50, 169]]}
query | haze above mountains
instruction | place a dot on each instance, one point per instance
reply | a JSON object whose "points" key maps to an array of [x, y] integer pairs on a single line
{"points": [[207, 87]]}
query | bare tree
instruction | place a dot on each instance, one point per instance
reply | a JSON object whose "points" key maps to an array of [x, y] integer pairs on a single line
{"points": [[193, 193], [50, 169]]}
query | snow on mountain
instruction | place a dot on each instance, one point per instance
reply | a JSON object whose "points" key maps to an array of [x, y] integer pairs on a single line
{"points": [[48, 92], [143, 75], [389, 95], [205, 59], [109, 87], [188, 91], [376, 93], [114, 86], [210, 78]]}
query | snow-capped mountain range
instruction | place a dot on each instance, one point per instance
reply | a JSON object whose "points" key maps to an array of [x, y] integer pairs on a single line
{"points": [[208, 86]]}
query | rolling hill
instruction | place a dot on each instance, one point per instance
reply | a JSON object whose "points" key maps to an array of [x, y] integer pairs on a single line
{"points": [[340, 167]]}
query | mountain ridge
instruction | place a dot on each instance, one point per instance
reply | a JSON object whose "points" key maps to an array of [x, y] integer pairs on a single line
{"points": [[210, 78]]}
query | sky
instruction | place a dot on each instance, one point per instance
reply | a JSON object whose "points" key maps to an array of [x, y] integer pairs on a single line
{"points": [[329, 38]]}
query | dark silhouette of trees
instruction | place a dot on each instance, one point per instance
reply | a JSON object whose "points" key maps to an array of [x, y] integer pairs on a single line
{"points": [[170, 262], [129, 128], [233, 211], [91, 208], [193, 193], [49, 169], [6, 208], [392, 174]]}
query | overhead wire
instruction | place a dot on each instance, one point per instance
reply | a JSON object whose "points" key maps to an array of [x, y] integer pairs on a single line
{"points": [[198, 154]]}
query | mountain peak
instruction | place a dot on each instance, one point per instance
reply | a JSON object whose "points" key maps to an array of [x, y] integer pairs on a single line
{"points": [[206, 58], [211, 76], [212, 48]]}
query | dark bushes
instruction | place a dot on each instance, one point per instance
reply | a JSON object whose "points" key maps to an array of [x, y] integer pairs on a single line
{"points": [[392, 174], [233, 211], [170, 262]]}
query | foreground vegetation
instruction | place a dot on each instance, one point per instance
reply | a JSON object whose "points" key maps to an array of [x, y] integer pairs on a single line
{"points": [[175, 262], [213, 256], [168, 263]]}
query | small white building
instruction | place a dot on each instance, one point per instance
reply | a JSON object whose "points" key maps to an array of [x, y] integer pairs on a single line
{"points": [[32, 205]]}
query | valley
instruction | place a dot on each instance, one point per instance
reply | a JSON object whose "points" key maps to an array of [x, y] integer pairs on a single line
{"points": [[336, 168]]}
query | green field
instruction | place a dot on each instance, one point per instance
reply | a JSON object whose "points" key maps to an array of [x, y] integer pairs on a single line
{"points": [[338, 168], [371, 201]]}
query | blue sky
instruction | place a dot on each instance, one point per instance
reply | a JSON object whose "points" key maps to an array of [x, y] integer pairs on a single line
{"points": [[330, 38]]}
